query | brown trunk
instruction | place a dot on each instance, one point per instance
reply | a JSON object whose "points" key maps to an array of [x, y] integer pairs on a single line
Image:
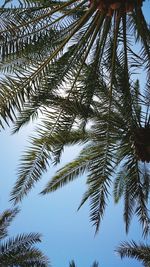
{"points": [[142, 143]]}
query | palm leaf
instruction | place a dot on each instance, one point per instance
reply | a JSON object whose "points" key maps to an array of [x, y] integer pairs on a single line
{"points": [[140, 252], [20, 250], [5, 219]]}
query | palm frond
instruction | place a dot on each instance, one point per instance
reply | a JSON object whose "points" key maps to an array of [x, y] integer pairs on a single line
{"points": [[51, 27], [72, 264], [5, 219], [68, 173], [131, 249], [19, 250], [95, 264]]}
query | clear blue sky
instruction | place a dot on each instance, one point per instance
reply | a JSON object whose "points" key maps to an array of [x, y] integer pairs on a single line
{"points": [[67, 234]]}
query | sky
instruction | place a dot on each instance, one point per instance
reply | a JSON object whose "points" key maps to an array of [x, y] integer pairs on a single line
{"points": [[66, 233]]}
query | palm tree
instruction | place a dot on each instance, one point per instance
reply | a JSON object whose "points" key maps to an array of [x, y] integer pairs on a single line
{"points": [[72, 264], [35, 36], [111, 154], [19, 251], [74, 64], [133, 250]]}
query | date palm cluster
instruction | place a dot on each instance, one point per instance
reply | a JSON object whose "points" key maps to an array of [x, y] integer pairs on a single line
{"points": [[108, 7]]}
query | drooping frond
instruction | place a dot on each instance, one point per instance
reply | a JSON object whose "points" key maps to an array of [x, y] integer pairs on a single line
{"points": [[72, 264], [42, 31], [19, 251], [132, 185], [5, 219], [95, 264], [100, 172], [140, 252], [69, 172], [60, 114], [111, 132], [22, 241], [36, 160], [98, 160]]}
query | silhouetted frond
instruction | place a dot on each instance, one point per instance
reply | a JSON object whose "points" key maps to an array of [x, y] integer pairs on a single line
{"points": [[140, 252], [5, 219], [20, 250]]}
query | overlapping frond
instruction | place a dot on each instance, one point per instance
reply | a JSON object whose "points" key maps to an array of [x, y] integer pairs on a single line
{"points": [[53, 135], [42, 31], [60, 114], [100, 172], [79, 64], [133, 250], [5, 219], [98, 160], [132, 176], [20, 250], [130, 183], [69, 172], [72, 264], [112, 141]]}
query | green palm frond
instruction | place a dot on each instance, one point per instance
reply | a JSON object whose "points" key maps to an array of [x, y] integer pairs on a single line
{"points": [[130, 181], [5, 219], [20, 250], [37, 161], [22, 241], [95, 264], [72, 264], [50, 28], [68, 173], [130, 184], [98, 180], [133, 250], [83, 73], [142, 34], [59, 117], [112, 152], [98, 159]]}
